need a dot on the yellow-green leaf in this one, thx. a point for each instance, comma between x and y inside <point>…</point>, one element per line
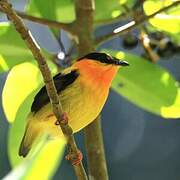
<point>168,22</point>
<point>42,164</point>
<point>110,9</point>
<point>64,10</point>
<point>3,64</point>
<point>12,48</point>
<point>147,85</point>
<point>21,81</point>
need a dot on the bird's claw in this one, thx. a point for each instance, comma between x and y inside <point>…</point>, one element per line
<point>64,119</point>
<point>57,123</point>
<point>75,160</point>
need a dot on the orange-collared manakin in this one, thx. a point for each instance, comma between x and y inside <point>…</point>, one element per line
<point>82,88</point>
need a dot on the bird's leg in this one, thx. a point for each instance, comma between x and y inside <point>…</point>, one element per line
<point>75,160</point>
<point>64,119</point>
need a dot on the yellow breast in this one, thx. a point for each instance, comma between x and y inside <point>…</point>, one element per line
<point>81,103</point>
<point>83,100</point>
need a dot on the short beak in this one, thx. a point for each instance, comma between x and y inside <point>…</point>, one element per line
<point>120,62</point>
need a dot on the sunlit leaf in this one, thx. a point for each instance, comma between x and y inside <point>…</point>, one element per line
<point>16,88</point>
<point>147,85</point>
<point>12,48</point>
<point>52,152</point>
<point>16,131</point>
<point>42,164</point>
<point>22,84</point>
<point>21,81</point>
<point>168,22</point>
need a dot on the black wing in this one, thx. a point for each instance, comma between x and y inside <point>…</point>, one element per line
<point>61,81</point>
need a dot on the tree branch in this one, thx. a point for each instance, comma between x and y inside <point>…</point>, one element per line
<point>57,108</point>
<point>145,41</point>
<point>95,150</point>
<point>54,24</point>
<point>131,25</point>
<point>84,25</point>
<point>94,144</point>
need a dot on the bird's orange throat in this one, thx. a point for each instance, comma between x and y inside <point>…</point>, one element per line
<point>95,73</point>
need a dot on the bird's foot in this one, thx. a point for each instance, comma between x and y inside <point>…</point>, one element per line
<point>64,119</point>
<point>75,160</point>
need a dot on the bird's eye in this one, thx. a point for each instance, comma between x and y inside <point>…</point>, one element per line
<point>108,60</point>
<point>108,57</point>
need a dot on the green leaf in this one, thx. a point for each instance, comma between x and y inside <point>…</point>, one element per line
<point>168,22</point>
<point>110,9</point>
<point>16,88</point>
<point>42,164</point>
<point>17,128</point>
<point>53,149</point>
<point>22,83</point>
<point>12,48</point>
<point>147,85</point>
<point>3,65</point>
<point>64,10</point>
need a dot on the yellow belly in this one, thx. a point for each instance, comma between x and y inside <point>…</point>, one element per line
<point>82,104</point>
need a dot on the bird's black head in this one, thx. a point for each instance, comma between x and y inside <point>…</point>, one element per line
<point>103,58</point>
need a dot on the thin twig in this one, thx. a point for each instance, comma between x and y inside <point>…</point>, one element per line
<point>131,25</point>
<point>57,108</point>
<point>146,45</point>
<point>54,24</point>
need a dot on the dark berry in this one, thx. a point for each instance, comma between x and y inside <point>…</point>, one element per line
<point>129,41</point>
<point>166,51</point>
<point>157,35</point>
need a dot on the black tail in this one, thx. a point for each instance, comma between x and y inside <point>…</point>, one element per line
<point>24,147</point>
<point>30,135</point>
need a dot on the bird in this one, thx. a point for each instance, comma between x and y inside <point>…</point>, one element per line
<point>82,88</point>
